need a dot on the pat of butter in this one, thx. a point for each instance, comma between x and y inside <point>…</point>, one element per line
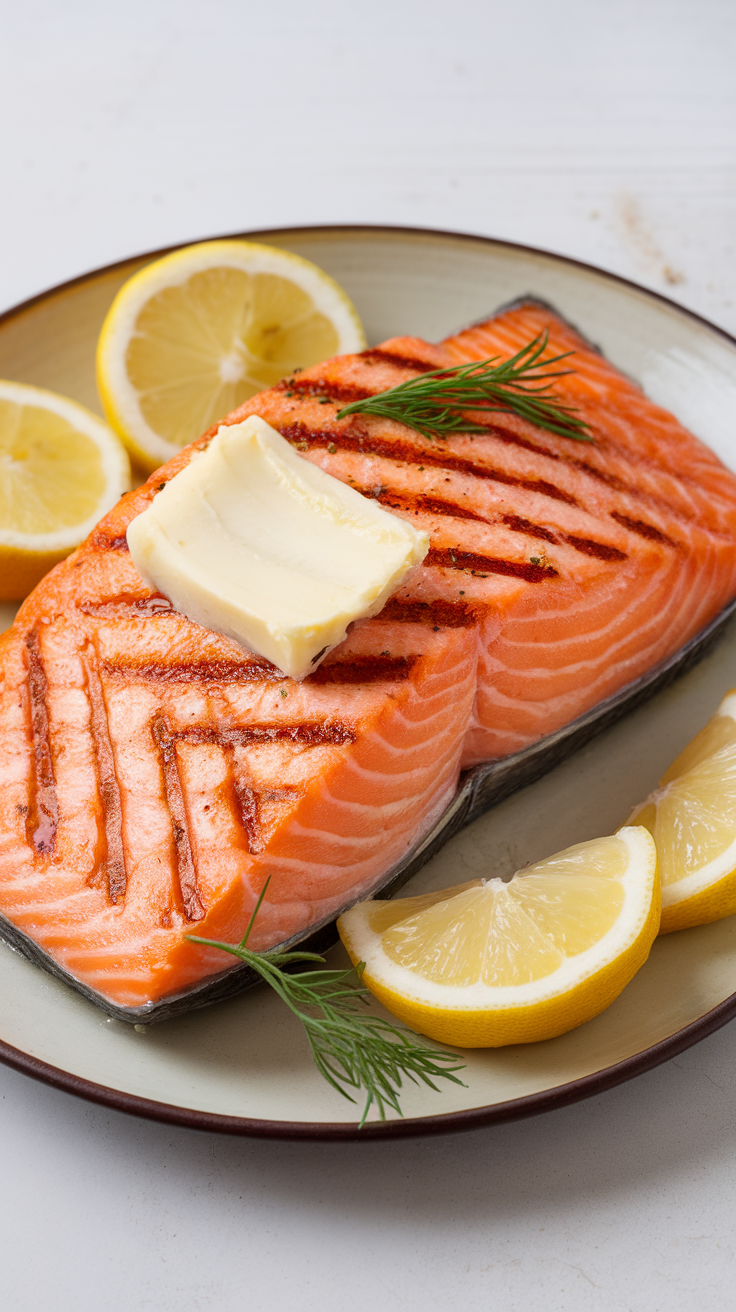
<point>264,547</point>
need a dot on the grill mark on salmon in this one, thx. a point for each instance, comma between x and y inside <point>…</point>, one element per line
<point>606,477</point>
<point>437,614</point>
<point>189,894</point>
<point>521,525</point>
<point>365,669</point>
<point>128,606</point>
<point>42,819</point>
<point>589,547</point>
<point>450,558</point>
<point>611,480</point>
<point>627,488</point>
<point>249,814</point>
<point>419,501</point>
<point>323,389</point>
<point>248,802</point>
<point>206,671</point>
<point>301,436</point>
<point>304,734</point>
<point>643,530</point>
<point>374,355</point>
<point>451,510</point>
<point>112,867</point>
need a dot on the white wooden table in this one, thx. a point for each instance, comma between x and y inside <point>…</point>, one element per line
<point>607,133</point>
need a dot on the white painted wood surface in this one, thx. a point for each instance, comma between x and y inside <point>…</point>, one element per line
<point>607,132</point>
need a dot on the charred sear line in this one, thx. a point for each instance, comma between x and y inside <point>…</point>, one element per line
<point>248,803</point>
<point>603,476</point>
<point>540,485</point>
<point>305,734</point>
<point>365,443</point>
<point>113,866</point>
<point>126,605</point>
<point>374,355</point>
<point>184,857</point>
<point>642,529</point>
<point>450,558</point>
<point>323,389</point>
<point>419,502</point>
<point>512,438</point>
<point>630,489</point>
<point>437,614</point>
<point>249,813</point>
<point>588,547</point>
<point>365,669</point>
<point>520,525</point>
<point>42,818</point>
<point>214,671</point>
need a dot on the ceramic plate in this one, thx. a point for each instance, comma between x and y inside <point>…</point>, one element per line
<point>242,1066</point>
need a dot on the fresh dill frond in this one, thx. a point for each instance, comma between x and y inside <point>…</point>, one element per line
<point>436,403</point>
<point>350,1048</point>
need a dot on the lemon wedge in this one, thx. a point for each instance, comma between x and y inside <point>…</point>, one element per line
<point>692,815</point>
<point>61,469</point>
<point>193,335</point>
<point>490,963</point>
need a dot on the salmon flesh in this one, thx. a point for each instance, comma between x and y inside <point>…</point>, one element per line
<point>153,774</point>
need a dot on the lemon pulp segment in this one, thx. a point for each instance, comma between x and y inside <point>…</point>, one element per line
<point>41,455</point>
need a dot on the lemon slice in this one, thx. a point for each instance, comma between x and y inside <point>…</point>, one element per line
<point>192,336</point>
<point>490,963</point>
<point>692,815</point>
<point>61,469</point>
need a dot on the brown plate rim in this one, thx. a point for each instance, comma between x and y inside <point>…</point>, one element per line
<point>562,1095</point>
<point>474,1118</point>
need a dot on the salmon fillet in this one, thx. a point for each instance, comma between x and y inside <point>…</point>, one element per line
<point>155,774</point>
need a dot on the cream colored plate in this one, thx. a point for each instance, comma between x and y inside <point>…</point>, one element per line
<point>242,1066</point>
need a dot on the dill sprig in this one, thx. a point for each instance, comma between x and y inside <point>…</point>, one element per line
<point>352,1050</point>
<point>436,403</point>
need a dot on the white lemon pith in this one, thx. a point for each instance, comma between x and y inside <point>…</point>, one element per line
<point>492,962</point>
<point>192,336</point>
<point>692,816</point>
<point>61,470</point>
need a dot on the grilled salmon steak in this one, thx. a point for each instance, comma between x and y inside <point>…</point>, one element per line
<point>153,774</point>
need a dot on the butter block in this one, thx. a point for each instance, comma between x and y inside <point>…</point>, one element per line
<point>255,542</point>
